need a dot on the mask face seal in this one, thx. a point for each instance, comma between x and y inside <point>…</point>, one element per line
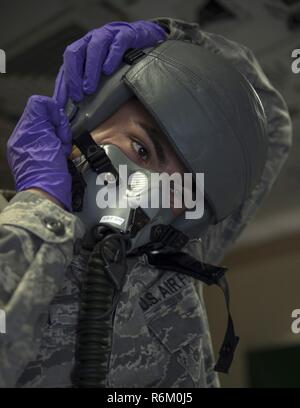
<point>121,196</point>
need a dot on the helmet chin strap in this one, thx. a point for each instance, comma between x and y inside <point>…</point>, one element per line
<point>181,262</point>
<point>163,252</point>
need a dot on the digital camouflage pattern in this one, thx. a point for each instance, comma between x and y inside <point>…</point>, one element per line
<point>161,336</point>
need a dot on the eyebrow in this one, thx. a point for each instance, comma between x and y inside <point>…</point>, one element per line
<point>155,136</point>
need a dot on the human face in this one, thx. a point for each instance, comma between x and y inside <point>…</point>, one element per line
<point>136,133</point>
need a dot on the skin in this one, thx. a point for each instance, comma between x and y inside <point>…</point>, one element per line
<point>145,145</point>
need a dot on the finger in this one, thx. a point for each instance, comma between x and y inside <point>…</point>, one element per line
<point>42,107</point>
<point>63,129</point>
<point>35,112</point>
<point>117,50</point>
<point>96,54</point>
<point>40,113</point>
<point>49,111</point>
<point>74,60</point>
<point>60,94</point>
<point>149,35</point>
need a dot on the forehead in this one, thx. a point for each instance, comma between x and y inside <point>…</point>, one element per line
<point>134,108</point>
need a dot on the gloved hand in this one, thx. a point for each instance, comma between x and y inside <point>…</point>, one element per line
<point>101,50</point>
<point>38,148</point>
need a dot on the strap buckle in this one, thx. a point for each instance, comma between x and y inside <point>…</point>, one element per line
<point>163,236</point>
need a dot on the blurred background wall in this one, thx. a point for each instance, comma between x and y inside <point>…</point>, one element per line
<point>265,263</point>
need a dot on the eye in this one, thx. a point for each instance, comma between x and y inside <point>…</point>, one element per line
<point>140,150</point>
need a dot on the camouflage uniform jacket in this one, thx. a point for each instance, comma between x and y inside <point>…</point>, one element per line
<point>161,336</point>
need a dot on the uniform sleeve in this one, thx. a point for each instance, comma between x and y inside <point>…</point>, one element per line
<point>220,237</point>
<point>37,240</point>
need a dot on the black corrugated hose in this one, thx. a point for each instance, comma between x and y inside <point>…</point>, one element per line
<point>99,297</point>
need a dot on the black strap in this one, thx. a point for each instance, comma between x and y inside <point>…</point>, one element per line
<point>183,263</point>
<point>78,187</point>
<point>166,236</point>
<point>94,154</point>
<point>98,161</point>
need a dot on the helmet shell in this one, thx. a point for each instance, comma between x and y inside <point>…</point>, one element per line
<point>208,111</point>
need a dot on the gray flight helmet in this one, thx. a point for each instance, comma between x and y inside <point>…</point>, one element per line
<point>209,112</point>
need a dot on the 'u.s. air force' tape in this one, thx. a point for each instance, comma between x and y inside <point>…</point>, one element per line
<point>166,289</point>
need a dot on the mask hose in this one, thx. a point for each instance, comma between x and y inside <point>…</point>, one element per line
<point>99,297</point>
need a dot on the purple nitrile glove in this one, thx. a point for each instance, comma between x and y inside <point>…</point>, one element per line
<point>101,50</point>
<point>38,148</point>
